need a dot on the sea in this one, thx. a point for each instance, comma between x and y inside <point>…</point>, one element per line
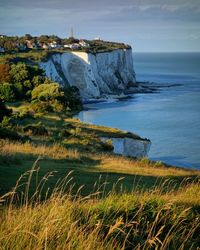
<point>170,117</point>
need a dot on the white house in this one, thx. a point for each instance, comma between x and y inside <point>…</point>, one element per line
<point>55,45</point>
<point>72,46</point>
<point>67,45</point>
<point>82,43</point>
<point>31,45</point>
<point>44,46</point>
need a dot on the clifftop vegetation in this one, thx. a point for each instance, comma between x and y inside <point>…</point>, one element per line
<point>55,43</point>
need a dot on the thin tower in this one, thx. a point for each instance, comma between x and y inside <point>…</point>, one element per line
<point>71,32</point>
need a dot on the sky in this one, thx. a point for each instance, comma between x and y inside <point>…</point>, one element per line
<point>147,25</point>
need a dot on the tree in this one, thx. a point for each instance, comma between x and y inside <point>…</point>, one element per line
<point>7,92</point>
<point>47,92</point>
<point>9,45</point>
<point>4,73</point>
<point>19,72</point>
<point>46,97</point>
<point>70,40</point>
<point>37,80</point>
<point>72,98</point>
<point>28,37</point>
<point>34,71</point>
<point>43,39</point>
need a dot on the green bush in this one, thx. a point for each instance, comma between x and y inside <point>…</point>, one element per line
<point>19,90</point>
<point>50,97</point>
<point>37,80</point>
<point>46,92</point>
<point>19,72</point>
<point>22,114</point>
<point>41,107</point>
<point>47,97</point>
<point>6,122</point>
<point>7,92</point>
<point>24,78</point>
<point>72,98</point>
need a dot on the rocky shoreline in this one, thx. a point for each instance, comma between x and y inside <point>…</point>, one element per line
<point>139,88</point>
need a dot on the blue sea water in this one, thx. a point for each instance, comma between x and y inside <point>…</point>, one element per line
<point>169,118</point>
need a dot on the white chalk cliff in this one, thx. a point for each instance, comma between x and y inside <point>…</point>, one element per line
<point>95,75</point>
<point>137,148</point>
<point>131,147</point>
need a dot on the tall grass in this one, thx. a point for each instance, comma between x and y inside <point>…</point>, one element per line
<point>140,220</point>
<point>55,151</point>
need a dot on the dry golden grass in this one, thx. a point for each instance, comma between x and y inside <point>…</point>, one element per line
<point>120,164</point>
<point>141,220</point>
<point>107,162</point>
<point>54,151</point>
<point>189,194</point>
<point>162,217</point>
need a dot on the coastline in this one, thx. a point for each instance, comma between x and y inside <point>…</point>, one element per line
<point>115,107</point>
<point>142,88</point>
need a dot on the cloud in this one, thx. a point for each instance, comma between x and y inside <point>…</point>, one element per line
<point>155,12</point>
<point>155,21</point>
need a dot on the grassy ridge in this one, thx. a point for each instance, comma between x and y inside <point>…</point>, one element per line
<point>17,158</point>
<point>74,193</point>
<point>157,218</point>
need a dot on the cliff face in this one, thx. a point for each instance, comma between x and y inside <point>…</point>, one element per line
<point>95,75</point>
<point>131,147</point>
<point>136,148</point>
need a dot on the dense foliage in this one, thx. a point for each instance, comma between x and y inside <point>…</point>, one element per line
<point>28,42</point>
<point>20,81</point>
<point>17,80</point>
<point>50,97</point>
<point>7,92</point>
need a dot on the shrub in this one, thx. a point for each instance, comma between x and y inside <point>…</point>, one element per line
<point>37,80</point>
<point>48,97</point>
<point>22,114</point>
<point>46,92</point>
<point>5,122</point>
<point>19,72</point>
<point>7,92</point>
<point>72,98</point>
<point>41,107</point>
<point>35,71</point>
<point>24,78</point>
<point>36,129</point>
<point>18,90</point>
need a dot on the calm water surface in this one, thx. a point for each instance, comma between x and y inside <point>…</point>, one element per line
<point>170,118</point>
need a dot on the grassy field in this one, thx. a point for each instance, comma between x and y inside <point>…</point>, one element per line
<point>74,193</point>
